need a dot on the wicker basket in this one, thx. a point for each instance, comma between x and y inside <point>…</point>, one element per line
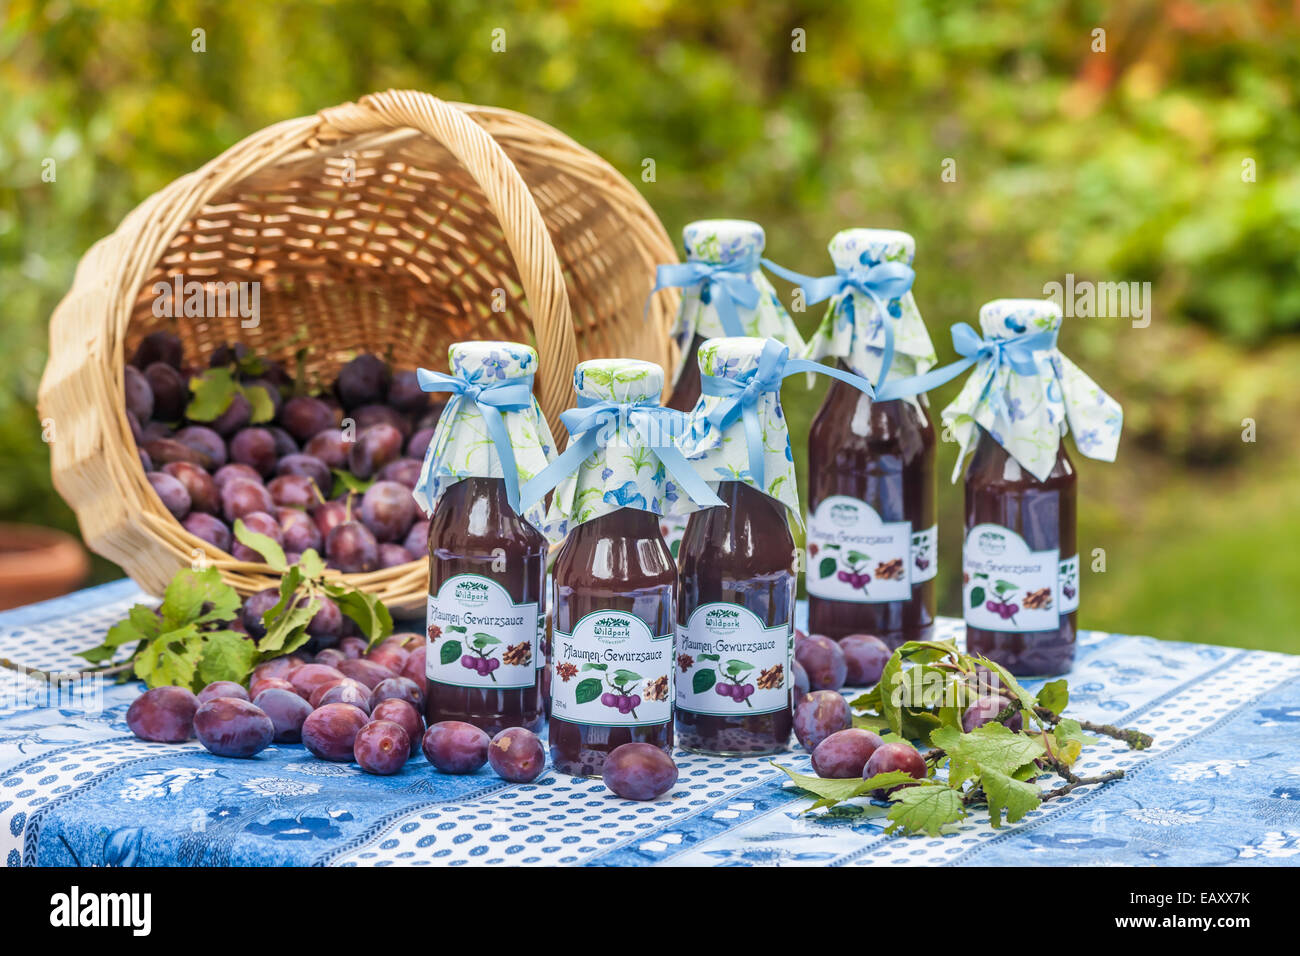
<point>381,226</point>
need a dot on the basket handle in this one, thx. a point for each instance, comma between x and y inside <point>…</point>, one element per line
<point>510,200</point>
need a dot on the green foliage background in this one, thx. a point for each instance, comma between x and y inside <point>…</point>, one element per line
<point>1119,165</point>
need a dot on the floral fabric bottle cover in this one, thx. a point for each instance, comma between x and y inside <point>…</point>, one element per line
<point>738,565</point>
<point>615,580</point>
<point>487,600</point>
<point>724,293</point>
<point>1020,562</point>
<point>872,531</point>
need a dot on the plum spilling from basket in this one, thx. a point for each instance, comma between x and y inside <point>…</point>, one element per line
<point>241,439</point>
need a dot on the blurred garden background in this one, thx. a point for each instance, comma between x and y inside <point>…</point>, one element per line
<point>1171,157</point>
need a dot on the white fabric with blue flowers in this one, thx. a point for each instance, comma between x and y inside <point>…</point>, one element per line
<point>853,328</point>
<point>722,242</point>
<point>625,472</point>
<point>1029,414</point>
<point>1220,786</point>
<point>724,455</point>
<point>461,447</point>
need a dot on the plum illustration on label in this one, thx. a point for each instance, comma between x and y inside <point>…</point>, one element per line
<point>729,663</point>
<point>1008,587</point>
<point>925,545</point>
<point>855,556</point>
<point>611,670</point>
<point>478,636</point>
<point>1069,577</point>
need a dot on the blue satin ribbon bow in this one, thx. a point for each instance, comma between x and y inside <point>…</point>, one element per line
<point>656,425</point>
<point>728,286</point>
<point>882,283</point>
<point>492,398</point>
<point>740,395</point>
<point>1017,353</point>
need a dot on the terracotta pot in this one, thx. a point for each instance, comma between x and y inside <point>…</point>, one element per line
<point>38,563</point>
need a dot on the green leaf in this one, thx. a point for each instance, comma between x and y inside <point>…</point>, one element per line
<point>856,557</point>
<point>826,567</point>
<point>199,597</point>
<point>1011,687</point>
<point>216,388</point>
<point>868,700</point>
<point>587,690</point>
<point>450,652</point>
<point>623,676</point>
<point>346,481</point>
<point>227,655</point>
<point>591,666</point>
<point>482,640</point>
<point>736,668</point>
<point>286,624</point>
<point>213,390</point>
<point>370,614</point>
<point>992,747</point>
<point>311,565</point>
<point>976,597</point>
<point>870,722</point>
<point>703,680</point>
<point>710,657</point>
<point>263,409</point>
<point>1055,696</point>
<point>171,658</point>
<point>1069,740</point>
<point>830,791</point>
<point>139,626</point>
<point>925,809</point>
<point>1014,797</point>
<point>271,552</point>
<point>1002,587</point>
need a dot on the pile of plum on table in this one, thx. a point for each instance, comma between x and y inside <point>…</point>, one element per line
<point>297,478</point>
<point>344,704</point>
<point>349,704</point>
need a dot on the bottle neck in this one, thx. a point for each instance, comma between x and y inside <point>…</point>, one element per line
<point>623,523</point>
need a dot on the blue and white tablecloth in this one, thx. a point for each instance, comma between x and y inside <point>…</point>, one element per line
<point>1221,784</point>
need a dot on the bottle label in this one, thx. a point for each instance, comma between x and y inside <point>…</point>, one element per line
<point>855,556</point>
<point>925,554</point>
<point>479,637</point>
<point>1069,576</point>
<point>729,664</point>
<point>1008,587</point>
<point>611,670</point>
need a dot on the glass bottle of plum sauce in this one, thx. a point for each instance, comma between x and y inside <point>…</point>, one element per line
<point>1020,560</point>
<point>735,626</point>
<point>736,597</point>
<point>614,600</point>
<point>1026,537</point>
<point>615,579</point>
<point>487,571</point>
<point>872,530</point>
<point>487,560</point>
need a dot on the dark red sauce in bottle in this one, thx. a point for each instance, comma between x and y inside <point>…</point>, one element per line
<point>871,518</point>
<point>612,640</point>
<point>734,637</point>
<point>1020,562</point>
<point>487,571</point>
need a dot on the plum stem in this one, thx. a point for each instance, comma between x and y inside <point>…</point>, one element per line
<point>1073,782</point>
<point>1135,739</point>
